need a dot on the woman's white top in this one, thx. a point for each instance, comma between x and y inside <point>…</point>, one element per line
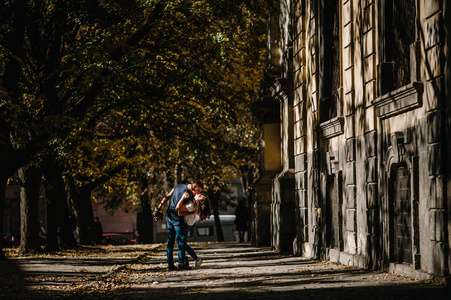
<point>191,219</point>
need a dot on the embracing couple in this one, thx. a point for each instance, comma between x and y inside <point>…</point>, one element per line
<point>186,201</point>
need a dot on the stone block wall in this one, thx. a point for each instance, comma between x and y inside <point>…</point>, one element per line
<point>376,135</point>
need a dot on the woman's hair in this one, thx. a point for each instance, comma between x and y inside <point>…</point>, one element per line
<point>204,208</point>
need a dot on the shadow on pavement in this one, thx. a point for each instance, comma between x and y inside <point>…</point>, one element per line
<point>12,279</point>
<point>236,271</point>
<point>229,271</point>
<point>368,292</point>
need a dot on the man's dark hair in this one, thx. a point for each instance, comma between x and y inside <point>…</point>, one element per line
<point>198,183</point>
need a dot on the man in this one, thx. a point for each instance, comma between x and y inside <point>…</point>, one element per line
<point>177,228</point>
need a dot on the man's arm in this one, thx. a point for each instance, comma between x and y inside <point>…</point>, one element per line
<point>181,208</point>
<point>165,199</point>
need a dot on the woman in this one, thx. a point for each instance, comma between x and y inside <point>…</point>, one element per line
<point>189,208</point>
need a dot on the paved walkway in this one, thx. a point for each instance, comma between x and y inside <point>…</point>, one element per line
<point>229,271</point>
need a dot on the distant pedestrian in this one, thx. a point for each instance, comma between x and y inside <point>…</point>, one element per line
<point>177,228</point>
<point>241,219</point>
<point>99,231</point>
<point>42,234</point>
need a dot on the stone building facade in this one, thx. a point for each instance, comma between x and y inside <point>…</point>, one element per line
<point>356,131</point>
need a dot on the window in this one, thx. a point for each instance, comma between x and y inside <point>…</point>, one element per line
<point>399,89</point>
<point>399,36</point>
<point>331,121</point>
<point>331,60</point>
<point>205,231</point>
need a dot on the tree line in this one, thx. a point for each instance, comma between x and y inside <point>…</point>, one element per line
<point>124,99</point>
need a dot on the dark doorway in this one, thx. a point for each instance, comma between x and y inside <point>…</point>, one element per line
<point>401,216</point>
<point>333,213</point>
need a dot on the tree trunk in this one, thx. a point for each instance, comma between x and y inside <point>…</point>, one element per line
<point>218,225</point>
<point>10,162</point>
<point>52,217</point>
<point>3,182</point>
<point>30,178</point>
<point>57,210</point>
<point>81,199</point>
<point>144,222</point>
<point>66,234</point>
<point>84,216</point>
<point>214,199</point>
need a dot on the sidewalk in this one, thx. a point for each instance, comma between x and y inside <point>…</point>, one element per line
<point>229,271</point>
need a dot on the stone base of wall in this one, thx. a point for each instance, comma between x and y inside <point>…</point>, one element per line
<point>361,261</point>
<point>308,250</point>
<point>409,271</point>
<point>347,259</point>
<point>297,247</point>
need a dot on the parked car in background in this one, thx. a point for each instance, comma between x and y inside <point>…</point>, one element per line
<point>205,231</point>
<point>116,239</point>
<point>10,240</point>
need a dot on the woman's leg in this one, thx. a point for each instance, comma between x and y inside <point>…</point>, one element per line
<point>191,252</point>
<point>188,249</point>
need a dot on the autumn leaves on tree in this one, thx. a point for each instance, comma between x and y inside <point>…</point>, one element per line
<point>94,95</point>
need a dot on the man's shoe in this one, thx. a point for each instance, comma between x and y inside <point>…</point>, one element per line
<point>183,267</point>
<point>171,268</point>
<point>198,263</point>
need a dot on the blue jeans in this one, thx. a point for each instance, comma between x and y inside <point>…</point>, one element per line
<point>177,231</point>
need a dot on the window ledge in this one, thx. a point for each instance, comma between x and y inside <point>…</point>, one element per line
<point>332,127</point>
<point>399,101</point>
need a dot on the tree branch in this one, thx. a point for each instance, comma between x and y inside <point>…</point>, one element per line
<point>96,87</point>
